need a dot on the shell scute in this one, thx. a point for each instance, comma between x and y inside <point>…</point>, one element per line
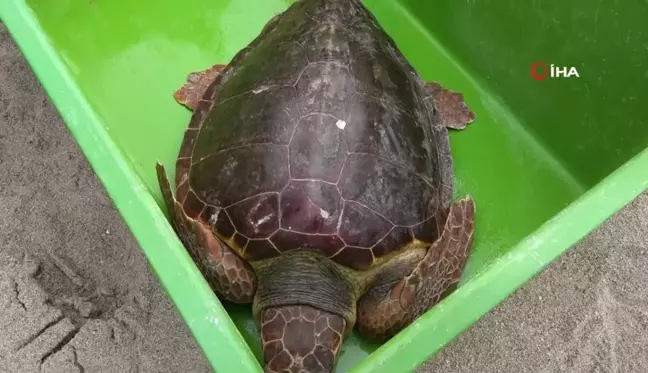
<point>324,87</point>
<point>378,129</point>
<point>398,194</point>
<point>317,149</point>
<point>274,62</point>
<point>256,217</point>
<point>428,230</point>
<point>224,224</point>
<point>240,239</point>
<point>355,220</point>
<point>285,240</point>
<point>328,42</point>
<point>230,176</point>
<point>311,207</point>
<point>192,205</point>
<point>394,239</point>
<point>268,123</point>
<point>260,249</point>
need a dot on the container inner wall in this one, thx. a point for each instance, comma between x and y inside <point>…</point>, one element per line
<point>591,124</point>
<point>129,57</point>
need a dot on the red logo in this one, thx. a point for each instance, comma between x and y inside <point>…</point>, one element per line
<point>539,70</point>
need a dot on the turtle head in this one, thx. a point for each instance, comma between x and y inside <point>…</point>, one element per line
<point>304,304</point>
<point>300,338</point>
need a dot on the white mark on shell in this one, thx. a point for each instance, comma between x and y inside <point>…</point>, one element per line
<point>263,219</point>
<point>324,213</point>
<point>340,124</point>
<point>213,218</point>
<point>260,89</point>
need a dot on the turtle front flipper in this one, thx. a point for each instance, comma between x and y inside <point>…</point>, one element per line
<point>383,311</point>
<point>225,272</point>
<point>196,85</point>
<point>449,106</point>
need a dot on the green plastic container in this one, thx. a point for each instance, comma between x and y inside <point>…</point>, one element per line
<point>546,161</point>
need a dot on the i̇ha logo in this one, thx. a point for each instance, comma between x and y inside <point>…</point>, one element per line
<point>541,70</point>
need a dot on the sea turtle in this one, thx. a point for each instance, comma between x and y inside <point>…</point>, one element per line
<point>315,181</point>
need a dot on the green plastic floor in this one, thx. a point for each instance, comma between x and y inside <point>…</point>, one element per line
<point>129,57</point>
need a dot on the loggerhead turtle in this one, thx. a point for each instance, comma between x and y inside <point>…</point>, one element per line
<point>315,181</point>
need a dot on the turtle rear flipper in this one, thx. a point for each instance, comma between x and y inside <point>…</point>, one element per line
<point>225,272</point>
<point>385,311</point>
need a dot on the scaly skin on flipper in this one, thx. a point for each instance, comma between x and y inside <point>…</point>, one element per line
<point>449,106</point>
<point>300,339</point>
<point>381,316</point>
<point>449,110</point>
<point>225,272</point>
<point>196,85</point>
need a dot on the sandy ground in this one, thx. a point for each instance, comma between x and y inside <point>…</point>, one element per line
<point>586,313</point>
<point>76,294</point>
